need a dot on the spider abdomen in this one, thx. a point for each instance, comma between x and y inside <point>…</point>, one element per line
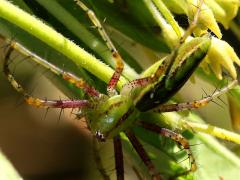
<point>186,60</point>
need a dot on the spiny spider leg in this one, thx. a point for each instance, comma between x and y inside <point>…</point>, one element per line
<point>115,54</point>
<point>118,154</point>
<point>175,137</point>
<point>143,155</point>
<point>78,82</point>
<point>194,104</point>
<point>130,86</point>
<point>165,67</point>
<point>36,101</point>
<point>193,24</point>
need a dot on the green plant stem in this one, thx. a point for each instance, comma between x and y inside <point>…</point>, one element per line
<point>214,131</point>
<point>168,32</point>
<point>168,16</point>
<point>81,32</point>
<point>54,39</point>
<point>195,123</point>
<point>203,132</point>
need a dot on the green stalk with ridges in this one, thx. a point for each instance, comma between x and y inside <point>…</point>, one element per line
<point>37,28</point>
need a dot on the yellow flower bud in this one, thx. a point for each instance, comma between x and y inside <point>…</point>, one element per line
<point>206,19</point>
<point>230,7</point>
<point>218,11</point>
<point>221,54</point>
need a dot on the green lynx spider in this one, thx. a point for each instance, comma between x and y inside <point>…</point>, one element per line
<point>117,112</point>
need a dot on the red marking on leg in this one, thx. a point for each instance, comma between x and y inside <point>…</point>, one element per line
<point>116,56</point>
<point>135,84</point>
<point>118,71</point>
<point>143,155</point>
<point>80,83</point>
<point>57,103</point>
<point>174,136</point>
<point>194,104</point>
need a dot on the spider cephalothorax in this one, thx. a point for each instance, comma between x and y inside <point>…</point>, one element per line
<point>114,115</point>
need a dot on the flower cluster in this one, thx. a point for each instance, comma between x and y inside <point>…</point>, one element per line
<point>221,54</point>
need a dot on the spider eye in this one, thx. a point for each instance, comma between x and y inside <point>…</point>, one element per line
<point>100,136</point>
